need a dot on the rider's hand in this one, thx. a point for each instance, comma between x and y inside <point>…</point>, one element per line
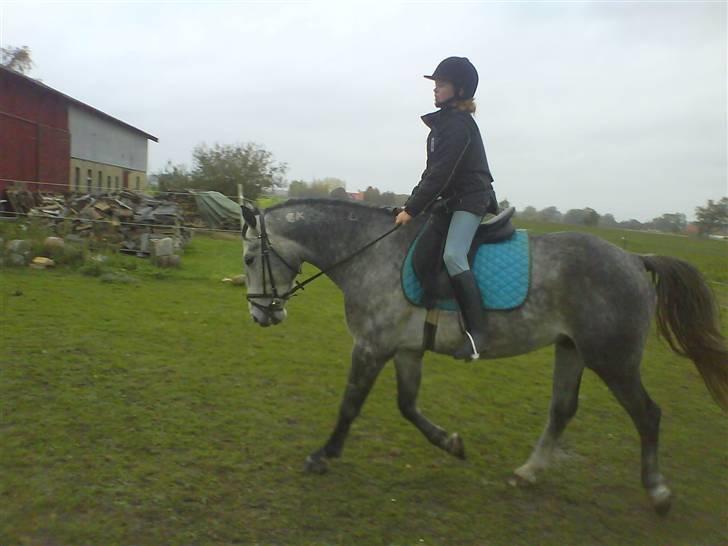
<point>402,218</point>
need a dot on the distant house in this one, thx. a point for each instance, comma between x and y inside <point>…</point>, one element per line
<point>692,229</point>
<point>55,143</point>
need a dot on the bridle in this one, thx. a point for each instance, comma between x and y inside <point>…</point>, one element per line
<point>277,300</point>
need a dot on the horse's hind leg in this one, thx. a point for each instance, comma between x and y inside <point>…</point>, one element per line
<point>408,365</point>
<point>568,368</point>
<point>365,367</point>
<point>626,385</point>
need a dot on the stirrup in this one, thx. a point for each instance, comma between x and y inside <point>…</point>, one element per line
<point>475,355</point>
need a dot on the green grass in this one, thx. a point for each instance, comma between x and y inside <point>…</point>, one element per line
<point>156,412</point>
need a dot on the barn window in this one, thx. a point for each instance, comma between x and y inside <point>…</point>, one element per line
<point>116,182</point>
<point>101,180</point>
<point>89,180</point>
<point>77,179</point>
<point>108,182</point>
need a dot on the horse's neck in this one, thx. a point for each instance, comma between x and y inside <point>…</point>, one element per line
<point>328,235</point>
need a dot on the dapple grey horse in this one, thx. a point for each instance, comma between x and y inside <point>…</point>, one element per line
<point>589,298</point>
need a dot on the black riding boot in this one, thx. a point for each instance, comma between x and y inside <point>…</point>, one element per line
<point>467,294</point>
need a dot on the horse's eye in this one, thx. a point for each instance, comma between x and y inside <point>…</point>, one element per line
<point>249,260</point>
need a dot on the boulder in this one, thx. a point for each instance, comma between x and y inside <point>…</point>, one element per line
<point>52,244</point>
<point>41,262</point>
<point>17,260</point>
<point>237,280</point>
<point>18,246</point>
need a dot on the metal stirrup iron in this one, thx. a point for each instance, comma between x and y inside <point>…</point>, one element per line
<point>476,354</point>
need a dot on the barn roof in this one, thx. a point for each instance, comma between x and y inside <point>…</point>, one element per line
<point>77,102</point>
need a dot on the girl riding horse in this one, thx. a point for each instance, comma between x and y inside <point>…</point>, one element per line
<point>457,174</point>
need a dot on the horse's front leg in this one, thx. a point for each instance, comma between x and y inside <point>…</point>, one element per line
<point>365,367</point>
<point>409,373</point>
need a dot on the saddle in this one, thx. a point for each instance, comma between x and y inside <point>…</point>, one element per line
<point>499,257</point>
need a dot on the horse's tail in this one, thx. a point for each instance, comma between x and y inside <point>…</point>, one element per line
<point>689,319</point>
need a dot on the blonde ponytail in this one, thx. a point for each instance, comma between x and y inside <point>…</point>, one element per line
<point>467,105</point>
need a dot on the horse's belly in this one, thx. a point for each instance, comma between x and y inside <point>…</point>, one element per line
<point>509,333</point>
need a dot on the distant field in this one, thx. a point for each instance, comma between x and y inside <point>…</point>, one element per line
<point>156,412</point>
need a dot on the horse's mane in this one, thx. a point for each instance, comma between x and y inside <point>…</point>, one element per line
<point>330,203</point>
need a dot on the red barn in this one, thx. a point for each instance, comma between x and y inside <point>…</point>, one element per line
<point>48,139</point>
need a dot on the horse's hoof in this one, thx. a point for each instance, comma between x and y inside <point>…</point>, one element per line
<point>315,465</point>
<point>455,446</point>
<point>661,499</point>
<point>522,477</point>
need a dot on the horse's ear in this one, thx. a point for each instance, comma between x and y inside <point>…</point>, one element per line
<point>249,216</point>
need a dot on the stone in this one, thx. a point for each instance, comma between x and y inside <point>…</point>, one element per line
<point>162,247</point>
<point>17,260</point>
<point>161,250</point>
<point>237,280</point>
<point>144,243</point>
<point>53,243</point>
<point>41,262</point>
<point>18,246</point>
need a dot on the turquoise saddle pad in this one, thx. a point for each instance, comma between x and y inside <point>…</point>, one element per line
<point>503,271</point>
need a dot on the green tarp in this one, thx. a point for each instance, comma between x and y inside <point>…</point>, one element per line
<point>217,210</point>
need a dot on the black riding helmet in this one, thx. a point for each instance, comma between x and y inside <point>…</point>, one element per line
<point>460,72</point>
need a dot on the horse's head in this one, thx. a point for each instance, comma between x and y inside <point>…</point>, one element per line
<point>271,265</point>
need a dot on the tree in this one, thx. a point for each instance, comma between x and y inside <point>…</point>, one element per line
<point>388,199</point>
<point>631,224</point>
<point>16,58</point>
<point>574,217</point>
<point>503,205</point>
<point>372,195</point>
<point>591,217</point>
<point>222,167</point>
<point>607,220</point>
<point>173,177</point>
<point>320,187</point>
<point>297,188</point>
<point>550,214</point>
<point>339,194</point>
<point>670,223</point>
<point>713,217</point>
<point>582,217</point>
<point>529,213</point>
<point>330,183</point>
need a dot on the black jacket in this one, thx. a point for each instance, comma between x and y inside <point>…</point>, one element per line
<point>457,169</point>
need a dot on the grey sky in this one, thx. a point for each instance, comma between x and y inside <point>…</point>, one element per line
<point>617,106</point>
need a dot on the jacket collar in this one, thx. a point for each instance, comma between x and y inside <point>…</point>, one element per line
<point>434,118</point>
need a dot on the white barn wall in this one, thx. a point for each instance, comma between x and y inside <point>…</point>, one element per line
<point>96,139</point>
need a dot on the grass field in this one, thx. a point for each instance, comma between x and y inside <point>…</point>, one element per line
<point>156,412</point>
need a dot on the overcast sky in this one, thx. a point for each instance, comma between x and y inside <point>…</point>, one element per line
<point>620,106</point>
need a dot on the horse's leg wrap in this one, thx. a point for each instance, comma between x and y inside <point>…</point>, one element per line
<point>408,365</point>
<point>365,368</point>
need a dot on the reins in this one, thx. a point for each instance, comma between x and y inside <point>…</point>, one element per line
<point>266,248</point>
<point>300,285</point>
